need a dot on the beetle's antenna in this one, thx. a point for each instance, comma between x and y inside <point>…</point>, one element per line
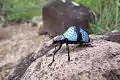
<point>55,53</point>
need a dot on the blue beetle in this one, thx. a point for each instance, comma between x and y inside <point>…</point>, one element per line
<point>74,35</point>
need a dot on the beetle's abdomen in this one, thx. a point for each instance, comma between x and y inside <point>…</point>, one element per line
<point>85,36</point>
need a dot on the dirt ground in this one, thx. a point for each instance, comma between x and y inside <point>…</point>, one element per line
<point>16,41</point>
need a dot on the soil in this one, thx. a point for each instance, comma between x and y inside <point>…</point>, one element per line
<point>16,42</point>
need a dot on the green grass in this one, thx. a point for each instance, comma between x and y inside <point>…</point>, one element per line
<point>22,9</point>
<point>107,13</point>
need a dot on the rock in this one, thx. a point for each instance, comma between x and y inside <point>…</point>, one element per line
<point>100,62</point>
<point>58,15</point>
<point>113,36</point>
<point>5,69</point>
<point>36,21</point>
<point>17,73</point>
<point>95,37</point>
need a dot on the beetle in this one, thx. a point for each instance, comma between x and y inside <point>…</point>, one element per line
<point>74,35</point>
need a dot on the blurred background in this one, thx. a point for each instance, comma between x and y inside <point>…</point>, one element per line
<point>18,40</point>
<point>107,12</point>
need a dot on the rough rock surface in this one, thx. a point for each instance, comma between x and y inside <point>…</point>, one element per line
<point>58,15</point>
<point>100,62</point>
<point>17,41</point>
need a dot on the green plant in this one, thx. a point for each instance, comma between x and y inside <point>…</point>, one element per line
<point>117,10</point>
<point>21,9</point>
<point>4,6</point>
<point>107,13</point>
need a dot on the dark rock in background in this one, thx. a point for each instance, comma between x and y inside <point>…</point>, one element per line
<point>58,15</point>
<point>113,36</point>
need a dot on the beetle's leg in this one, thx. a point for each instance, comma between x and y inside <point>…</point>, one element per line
<point>56,50</point>
<point>55,47</point>
<point>68,51</point>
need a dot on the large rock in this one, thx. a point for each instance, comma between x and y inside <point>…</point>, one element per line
<point>100,62</point>
<point>58,15</point>
<point>113,36</point>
